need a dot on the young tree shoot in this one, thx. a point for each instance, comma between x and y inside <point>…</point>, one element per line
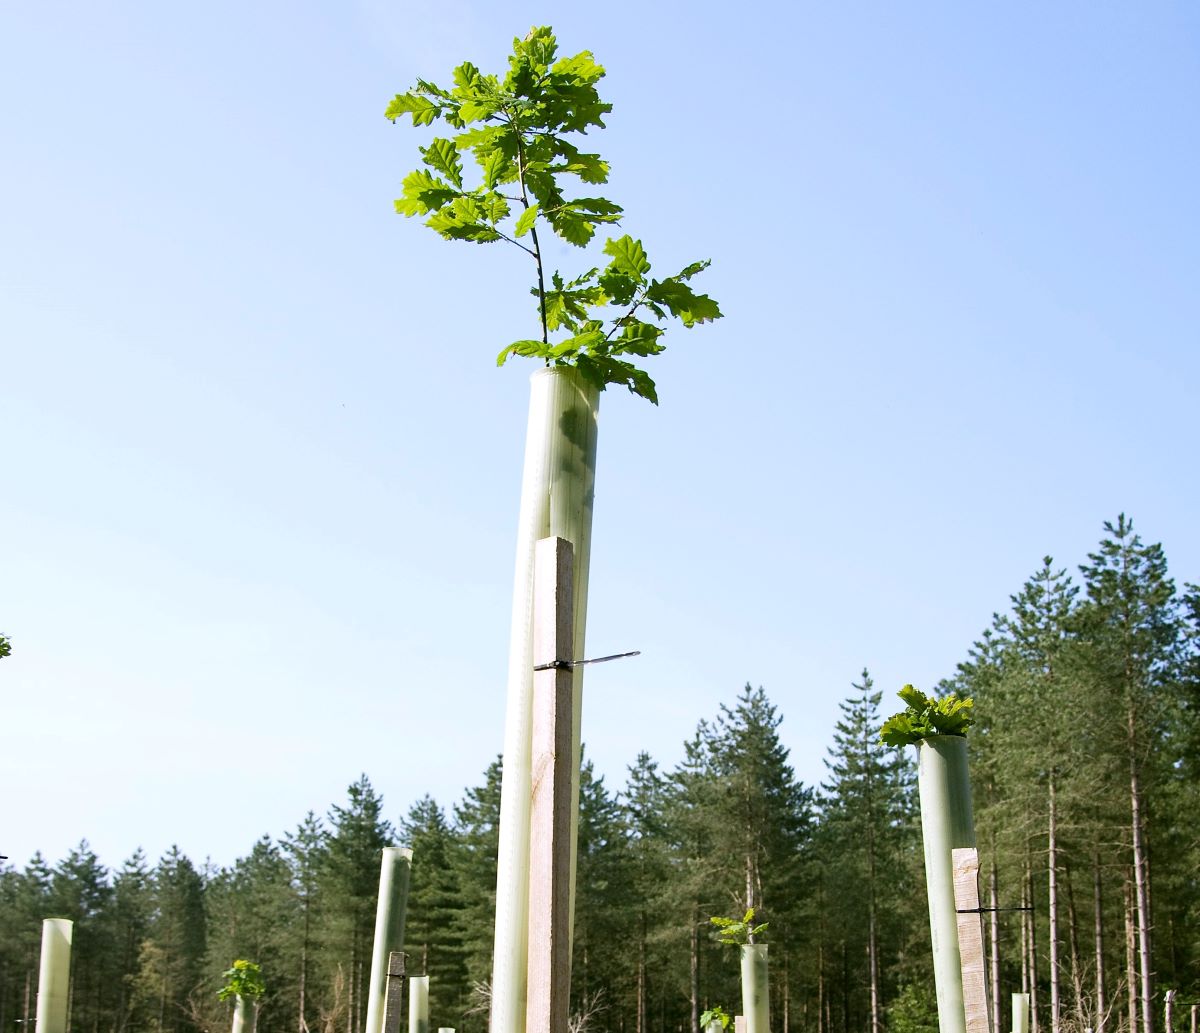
<point>522,132</point>
<point>244,979</point>
<point>736,932</point>
<point>925,716</point>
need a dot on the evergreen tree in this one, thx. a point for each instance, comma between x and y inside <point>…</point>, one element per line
<point>168,992</point>
<point>350,888</point>
<point>473,857</point>
<point>305,851</point>
<point>26,900</point>
<point>864,832</point>
<point>1132,629</point>
<point>643,806</point>
<point>253,915</point>
<point>600,969</point>
<point>433,931</point>
<point>80,891</point>
<point>131,915</point>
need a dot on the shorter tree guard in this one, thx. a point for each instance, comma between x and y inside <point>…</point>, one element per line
<point>418,1004</point>
<point>1020,1013</point>
<point>54,976</point>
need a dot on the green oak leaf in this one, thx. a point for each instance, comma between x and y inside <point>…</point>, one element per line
<point>442,156</point>
<point>628,255</point>
<point>424,192</point>
<point>525,221</point>
<point>422,109</point>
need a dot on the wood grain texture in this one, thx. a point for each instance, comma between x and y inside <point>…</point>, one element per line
<point>970,939</point>
<point>551,784</point>
<point>393,1001</point>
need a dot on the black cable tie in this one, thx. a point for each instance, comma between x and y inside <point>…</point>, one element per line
<point>566,665</point>
<point>985,910</point>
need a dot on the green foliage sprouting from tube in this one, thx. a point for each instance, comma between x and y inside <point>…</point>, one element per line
<point>244,979</point>
<point>518,131</point>
<point>925,716</point>
<point>736,932</point>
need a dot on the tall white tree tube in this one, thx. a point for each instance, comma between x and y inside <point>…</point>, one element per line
<point>394,872</point>
<point>54,975</point>
<point>947,822</point>
<point>557,492</point>
<point>755,995</point>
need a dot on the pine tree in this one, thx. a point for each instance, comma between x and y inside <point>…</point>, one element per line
<point>253,914</point>
<point>1132,628</point>
<point>643,806</point>
<point>132,912</point>
<point>26,900</point>
<point>433,928</point>
<point>350,887</point>
<point>170,981</point>
<point>476,844</point>
<point>80,891</point>
<point>865,807</point>
<point>603,930</point>
<point>305,851</point>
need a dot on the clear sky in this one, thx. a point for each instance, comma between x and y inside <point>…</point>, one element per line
<point>260,474</point>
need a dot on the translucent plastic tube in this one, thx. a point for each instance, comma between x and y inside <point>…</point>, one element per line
<point>418,1004</point>
<point>245,1015</point>
<point>394,873</point>
<point>557,492</point>
<point>54,975</point>
<point>755,996</point>
<point>1020,1013</point>
<point>947,823</point>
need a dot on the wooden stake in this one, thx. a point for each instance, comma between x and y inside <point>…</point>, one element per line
<point>552,778</point>
<point>394,992</point>
<point>970,938</point>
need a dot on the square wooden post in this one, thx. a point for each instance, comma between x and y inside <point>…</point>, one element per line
<point>970,938</point>
<point>393,1001</point>
<point>548,1000</point>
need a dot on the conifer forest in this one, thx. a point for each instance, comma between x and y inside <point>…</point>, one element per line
<point>1085,765</point>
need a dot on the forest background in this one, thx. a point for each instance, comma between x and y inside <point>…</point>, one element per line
<point>1086,772</point>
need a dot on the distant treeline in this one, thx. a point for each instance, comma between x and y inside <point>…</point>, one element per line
<point>1087,791</point>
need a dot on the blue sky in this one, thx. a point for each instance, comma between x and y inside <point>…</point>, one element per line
<point>261,476</point>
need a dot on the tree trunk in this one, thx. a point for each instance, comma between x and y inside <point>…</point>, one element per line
<point>787,997</point>
<point>641,978</point>
<point>845,991</point>
<point>1098,906</point>
<point>1073,946</point>
<point>25,1002</point>
<point>1131,956</point>
<point>1033,982</point>
<point>1024,915</point>
<point>872,934</point>
<point>994,928</point>
<point>822,1011</point>
<point>1052,911</point>
<point>1141,879</point>
<point>694,970</point>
